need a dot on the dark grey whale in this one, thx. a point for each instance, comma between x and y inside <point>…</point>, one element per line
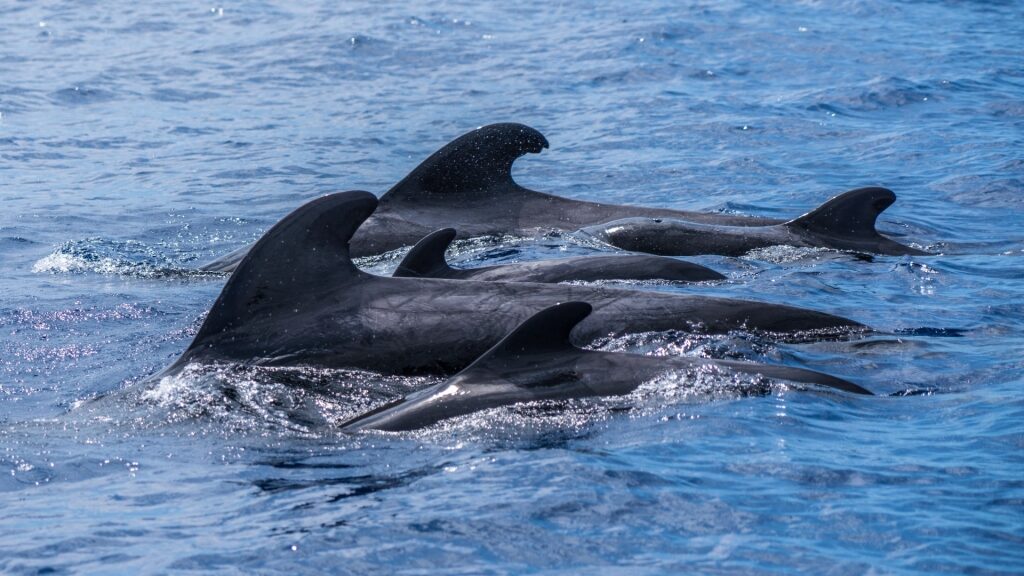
<point>297,298</point>
<point>426,260</point>
<point>468,185</point>
<point>845,222</point>
<point>537,361</point>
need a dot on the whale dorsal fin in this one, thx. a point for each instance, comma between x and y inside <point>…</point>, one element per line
<point>851,214</point>
<point>544,333</point>
<point>472,163</point>
<point>307,247</point>
<point>426,259</point>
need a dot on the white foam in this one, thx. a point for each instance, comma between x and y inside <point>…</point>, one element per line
<point>783,254</point>
<point>169,389</point>
<point>61,263</point>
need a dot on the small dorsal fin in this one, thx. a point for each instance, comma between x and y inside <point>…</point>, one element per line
<point>545,332</point>
<point>851,214</point>
<point>474,162</point>
<point>426,259</point>
<point>310,243</point>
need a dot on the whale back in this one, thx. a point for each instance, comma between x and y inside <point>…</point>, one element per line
<point>471,165</point>
<point>848,222</point>
<point>306,248</point>
<point>532,362</point>
<point>426,259</point>
<point>851,214</point>
<point>538,338</point>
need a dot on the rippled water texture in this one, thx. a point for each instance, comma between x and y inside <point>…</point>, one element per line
<point>138,140</point>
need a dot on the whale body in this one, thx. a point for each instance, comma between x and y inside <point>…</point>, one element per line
<point>537,361</point>
<point>297,298</point>
<point>468,185</point>
<point>845,222</point>
<point>427,260</point>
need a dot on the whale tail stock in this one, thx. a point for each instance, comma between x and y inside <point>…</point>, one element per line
<point>849,218</point>
<point>426,259</point>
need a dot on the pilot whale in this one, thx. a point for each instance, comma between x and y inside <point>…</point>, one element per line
<point>538,361</point>
<point>845,222</point>
<point>426,260</point>
<point>468,185</point>
<point>298,299</point>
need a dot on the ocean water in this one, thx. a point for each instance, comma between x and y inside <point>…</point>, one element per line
<point>138,140</point>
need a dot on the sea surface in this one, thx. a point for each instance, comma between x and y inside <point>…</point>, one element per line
<point>139,140</point>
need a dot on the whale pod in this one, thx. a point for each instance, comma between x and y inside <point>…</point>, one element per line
<point>297,298</point>
<point>538,361</point>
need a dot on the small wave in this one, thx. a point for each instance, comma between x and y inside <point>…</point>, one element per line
<point>786,254</point>
<point>878,94</point>
<point>17,240</point>
<point>1007,109</point>
<point>568,418</point>
<point>300,400</point>
<point>180,95</point>
<point>933,332</point>
<point>915,392</point>
<point>461,252</point>
<point>699,384</point>
<point>989,191</point>
<point>669,343</point>
<point>124,258</point>
<point>81,95</point>
<point>311,401</point>
<point>190,131</point>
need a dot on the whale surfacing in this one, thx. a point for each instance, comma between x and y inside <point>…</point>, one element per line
<point>427,260</point>
<point>297,298</point>
<point>537,361</point>
<point>468,185</point>
<point>845,222</point>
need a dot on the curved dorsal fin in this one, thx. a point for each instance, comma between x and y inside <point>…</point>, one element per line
<point>307,247</point>
<point>473,162</point>
<point>851,214</point>
<point>426,259</point>
<point>546,332</point>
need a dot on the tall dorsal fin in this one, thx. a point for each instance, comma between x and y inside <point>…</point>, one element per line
<point>473,162</point>
<point>851,214</point>
<point>307,247</point>
<point>426,259</point>
<point>546,332</point>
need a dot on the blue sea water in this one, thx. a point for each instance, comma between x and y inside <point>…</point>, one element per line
<point>138,140</point>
